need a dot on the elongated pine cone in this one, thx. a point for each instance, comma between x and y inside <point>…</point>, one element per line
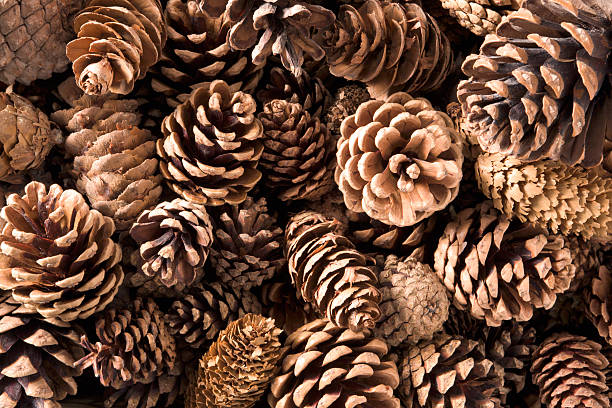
<point>61,261</point>
<point>210,148</point>
<point>330,366</point>
<point>389,46</point>
<point>248,247</point>
<point>499,269</point>
<point>239,366</point>
<point>175,238</point>
<point>569,370</point>
<point>541,86</point>
<point>329,272</point>
<point>598,296</point>
<point>414,302</point>
<point>114,159</point>
<point>399,160</point>
<point>279,301</point>
<point>480,16</point>
<point>117,42</point>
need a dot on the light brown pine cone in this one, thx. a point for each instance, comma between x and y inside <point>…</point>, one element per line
<point>480,16</point>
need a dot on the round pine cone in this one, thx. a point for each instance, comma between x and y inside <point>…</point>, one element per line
<point>414,302</point>
<point>399,160</point>
<point>330,366</point>
<point>279,301</point>
<point>210,146</point>
<point>480,16</point>
<point>598,297</point>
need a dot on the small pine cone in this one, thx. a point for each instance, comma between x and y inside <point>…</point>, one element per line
<point>61,261</point>
<point>587,257</point>
<point>175,238</point>
<point>345,103</point>
<point>248,246</point>
<point>280,302</point>
<point>239,366</point>
<point>570,200</point>
<point>540,87</point>
<point>210,148</point>
<point>481,16</point>
<point>414,302</point>
<point>329,272</point>
<point>114,159</point>
<point>448,24</point>
<point>569,370</point>
<point>328,366</point>
<point>449,371</point>
<point>298,157</point>
<point>498,269</point>
<point>26,134</point>
<point>117,42</point>
<point>409,169</point>
<point>598,297</point>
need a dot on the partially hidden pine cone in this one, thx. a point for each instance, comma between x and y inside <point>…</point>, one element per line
<point>598,298</point>
<point>480,16</point>
<point>279,301</point>
<point>344,104</point>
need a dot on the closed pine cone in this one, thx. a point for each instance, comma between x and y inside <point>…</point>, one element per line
<point>61,261</point>
<point>211,147</point>
<point>480,16</point>
<point>598,296</point>
<point>280,302</point>
<point>399,160</point>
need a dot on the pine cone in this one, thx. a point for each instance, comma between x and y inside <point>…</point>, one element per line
<point>61,260</point>
<point>389,46</point>
<point>280,302</point>
<point>449,371</point>
<point>569,200</point>
<point>26,134</point>
<point>117,42</point>
<point>498,269</point>
<point>414,302</point>
<point>330,273</point>
<point>239,366</point>
<point>345,103</point>
<point>587,257</point>
<point>448,24</point>
<point>298,157</point>
<point>541,87</point>
<point>114,159</point>
<point>331,366</point>
<point>399,160</point>
<point>481,16</point>
<point>569,371</point>
<point>248,245</point>
<point>598,296</point>
<point>210,149</point>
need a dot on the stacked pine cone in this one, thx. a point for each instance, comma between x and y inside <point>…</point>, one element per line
<point>259,203</point>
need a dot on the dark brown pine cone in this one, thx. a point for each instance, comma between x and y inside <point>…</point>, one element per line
<point>344,104</point>
<point>598,298</point>
<point>279,301</point>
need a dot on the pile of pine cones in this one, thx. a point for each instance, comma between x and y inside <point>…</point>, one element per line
<point>306,204</point>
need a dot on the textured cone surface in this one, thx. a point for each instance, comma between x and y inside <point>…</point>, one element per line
<point>175,239</point>
<point>389,46</point>
<point>345,103</point>
<point>330,366</point>
<point>114,159</point>
<point>61,260</point>
<point>280,302</point>
<point>298,157</point>
<point>448,24</point>
<point>587,256</point>
<point>541,86</point>
<point>26,135</point>
<point>569,370</point>
<point>598,296</point>
<point>211,146</point>
<point>498,269</point>
<point>569,200</point>
<point>414,302</point>
<point>117,42</point>
<point>399,160</point>
<point>482,16</point>
<point>248,246</point>
<point>239,366</point>
<point>329,272</point>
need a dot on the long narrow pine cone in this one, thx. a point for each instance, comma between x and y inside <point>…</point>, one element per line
<point>481,16</point>
<point>117,42</point>
<point>598,298</point>
<point>61,262</point>
<point>210,146</point>
<point>399,160</point>
<point>540,87</point>
<point>329,272</point>
<point>566,199</point>
<point>499,269</point>
<point>328,366</point>
<point>569,371</point>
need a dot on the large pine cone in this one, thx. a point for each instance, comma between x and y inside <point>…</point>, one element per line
<point>114,159</point>
<point>498,269</point>
<point>279,301</point>
<point>570,372</point>
<point>399,160</point>
<point>330,366</point>
<point>598,297</point>
<point>480,16</point>
<point>210,148</point>
<point>329,272</point>
<point>61,261</point>
<point>565,199</point>
<point>389,46</point>
<point>117,42</point>
<point>541,87</point>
